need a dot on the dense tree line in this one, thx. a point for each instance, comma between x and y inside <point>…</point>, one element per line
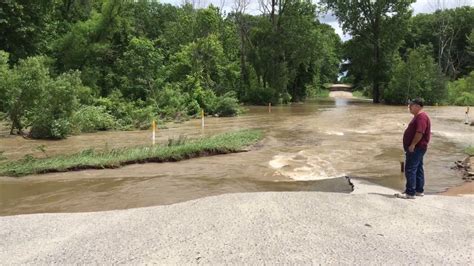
<point>71,66</point>
<point>84,65</point>
<point>394,56</point>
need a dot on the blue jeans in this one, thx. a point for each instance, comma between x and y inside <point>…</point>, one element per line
<point>414,172</point>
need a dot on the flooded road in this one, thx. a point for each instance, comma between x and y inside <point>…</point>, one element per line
<point>307,147</point>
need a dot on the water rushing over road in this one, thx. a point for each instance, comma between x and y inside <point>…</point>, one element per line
<point>307,147</point>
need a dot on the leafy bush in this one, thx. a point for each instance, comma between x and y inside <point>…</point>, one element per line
<point>139,67</point>
<point>4,76</point>
<point>259,95</point>
<point>227,105</point>
<point>26,84</point>
<point>170,101</point>
<point>92,119</point>
<point>127,114</point>
<point>461,91</point>
<point>32,98</point>
<point>55,106</point>
<point>142,116</point>
<point>469,150</point>
<point>419,76</point>
<point>206,99</point>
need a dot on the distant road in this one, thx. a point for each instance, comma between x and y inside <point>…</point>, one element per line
<point>340,94</point>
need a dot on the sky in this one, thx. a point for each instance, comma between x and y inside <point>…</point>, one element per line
<point>420,6</point>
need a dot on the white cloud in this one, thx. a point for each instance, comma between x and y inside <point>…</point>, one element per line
<point>430,6</point>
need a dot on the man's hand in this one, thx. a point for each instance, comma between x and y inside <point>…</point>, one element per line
<point>411,148</point>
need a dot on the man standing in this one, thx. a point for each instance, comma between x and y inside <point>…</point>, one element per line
<point>415,143</point>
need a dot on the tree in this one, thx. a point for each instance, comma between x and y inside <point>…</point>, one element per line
<point>419,76</point>
<point>380,25</point>
<point>206,61</point>
<point>179,32</point>
<point>93,46</point>
<point>241,24</point>
<point>25,27</point>
<point>461,91</point>
<point>139,68</point>
<point>314,63</point>
<point>4,78</point>
<point>150,18</point>
<point>470,50</point>
<point>51,114</point>
<point>27,81</point>
<point>448,32</point>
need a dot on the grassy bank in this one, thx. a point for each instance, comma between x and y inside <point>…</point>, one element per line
<point>359,94</point>
<point>90,159</point>
<point>469,150</point>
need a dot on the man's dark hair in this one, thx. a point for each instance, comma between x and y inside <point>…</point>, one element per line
<point>418,101</point>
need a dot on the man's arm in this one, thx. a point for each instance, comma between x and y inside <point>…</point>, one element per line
<point>415,140</point>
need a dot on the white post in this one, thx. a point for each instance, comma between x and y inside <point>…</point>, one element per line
<point>153,135</point>
<point>202,118</point>
<point>466,118</point>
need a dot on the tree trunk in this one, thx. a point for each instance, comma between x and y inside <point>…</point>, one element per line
<point>243,67</point>
<point>376,69</point>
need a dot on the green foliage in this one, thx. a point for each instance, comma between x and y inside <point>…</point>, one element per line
<point>289,53</point>
<point>127,114</point>
<point>461,91</point>
<point>359,94</point>
<point>2,156</point>
<point>55,106</point>
<point>4,78</point>
<point>150,18</point>
<point>419,76</point>
<point>91,159</point>
<point>82,66</point>
<point>92,119</point>
<point>207,21</point>
<point>42,148</point>
<point>26,83</point>
<point>448,32</point>
<point>25,27</point>
<point>206,62</point>
<point>140,67</point>
<point>469,150</point>
<point>34,99</point>
<point>171,102</point>
<point>378,29</point>
<point>470,49</point>
<point>318,93</point>
<point>181,140</point>
<point>94,45</point>
<point>227,105</point>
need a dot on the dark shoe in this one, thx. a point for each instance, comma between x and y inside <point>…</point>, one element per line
<point>404,196</point>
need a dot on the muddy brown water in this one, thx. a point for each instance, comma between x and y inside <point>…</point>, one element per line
<point>307,147</point>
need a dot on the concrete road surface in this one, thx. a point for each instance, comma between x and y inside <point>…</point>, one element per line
<point>253,228</point>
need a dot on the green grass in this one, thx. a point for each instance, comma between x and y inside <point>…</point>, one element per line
<point>469,150</point>
<point>359,94</point>
<point>91,159</point>
<point>319,94</point>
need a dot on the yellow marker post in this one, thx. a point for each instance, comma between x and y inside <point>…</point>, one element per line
<point>269,107</point>
<point>202,118</point>
<point>153,132</point>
